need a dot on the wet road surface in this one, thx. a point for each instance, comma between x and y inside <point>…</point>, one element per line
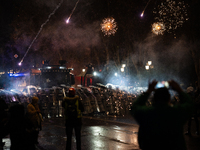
<point>98,133</point>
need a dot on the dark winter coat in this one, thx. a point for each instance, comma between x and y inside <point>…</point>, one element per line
<point>161,126</point>
<point>79,109</point>
<point>19,129</point>
<point>33,115</point>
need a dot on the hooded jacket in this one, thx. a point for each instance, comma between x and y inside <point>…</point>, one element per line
<point>32,111</point>
<point>71,101</point>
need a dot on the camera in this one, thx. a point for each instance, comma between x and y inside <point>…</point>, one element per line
<point>162,84</point>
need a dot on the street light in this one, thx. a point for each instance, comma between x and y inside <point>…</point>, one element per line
<point>149,63</point>
<point>123,65</point>
<point>95,73</point>
<point>147,67</point>
<point>122,69</point>
<point>116,74</point>
<point>83,78</point>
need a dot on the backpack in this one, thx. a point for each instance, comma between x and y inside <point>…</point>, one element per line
<point>71,110</point>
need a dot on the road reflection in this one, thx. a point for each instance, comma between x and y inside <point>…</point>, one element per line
<point>113,137</point>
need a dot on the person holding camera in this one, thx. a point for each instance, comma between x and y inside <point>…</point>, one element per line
<point>161,125</point>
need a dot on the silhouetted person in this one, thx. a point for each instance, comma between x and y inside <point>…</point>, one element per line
<point>19,129</point>
<point>161,125</point>
<point>3,118</point>
<point>194,94</point>
<point>34,117</point>
<point>73,118</point>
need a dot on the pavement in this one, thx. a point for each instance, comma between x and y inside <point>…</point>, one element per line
<point>51,141</point>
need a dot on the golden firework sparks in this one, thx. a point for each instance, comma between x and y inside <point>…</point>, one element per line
<point>158,28</point>
<point>172,13</point>
<point>109,26</point>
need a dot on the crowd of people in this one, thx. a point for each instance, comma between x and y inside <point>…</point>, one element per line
<point>22,126</point>
<point>161,124</point>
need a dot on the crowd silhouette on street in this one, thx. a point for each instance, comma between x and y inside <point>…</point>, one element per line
<point>21,126</point>
<point>161,125</point>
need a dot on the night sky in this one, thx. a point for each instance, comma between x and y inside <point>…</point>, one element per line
<point>81,41</point>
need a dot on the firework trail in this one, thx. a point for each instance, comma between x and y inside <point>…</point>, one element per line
<point>145,8</point>
<point>41,30</point>
<point>67,21</point>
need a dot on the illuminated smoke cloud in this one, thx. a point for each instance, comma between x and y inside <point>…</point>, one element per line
<point>48,3</point>
<point>72,36</point>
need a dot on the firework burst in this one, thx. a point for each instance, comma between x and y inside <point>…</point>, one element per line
<point>109,26</point>
<point>158,28</point>
<point>172,13</point>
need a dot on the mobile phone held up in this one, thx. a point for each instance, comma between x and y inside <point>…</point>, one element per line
<point>162,84</point>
